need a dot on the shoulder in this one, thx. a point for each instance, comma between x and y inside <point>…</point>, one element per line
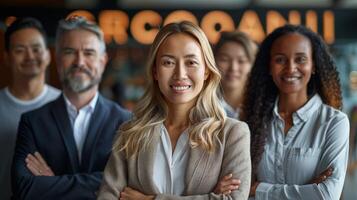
<point>329,114</point>
<point>2,94</point>
<point>235,124</point>
<point>43,111</point>
<point>115,109</point>
<point>235,129</point>
<point>334,122</point>
<point>52,91</point>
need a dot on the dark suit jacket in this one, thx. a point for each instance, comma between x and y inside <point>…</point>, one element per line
<point>48,131</point>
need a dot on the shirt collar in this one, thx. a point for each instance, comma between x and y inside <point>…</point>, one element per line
<point>72,110</point>
<point>305,112</point>
<point>229,109</point>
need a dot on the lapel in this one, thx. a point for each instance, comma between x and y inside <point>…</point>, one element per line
<point>97,121</point>
<point>198,163</point>
<point>60,114</point>
<point>146,163</point>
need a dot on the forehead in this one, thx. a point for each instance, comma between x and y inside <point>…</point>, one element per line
<point>180,43</point>
<point>292,42</point>
<point>26,36</point>
<point>231,47</point>
<point>80,38</point>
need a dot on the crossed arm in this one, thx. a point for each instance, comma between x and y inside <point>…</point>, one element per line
<point>32,178</point>
<point>328,184</point>
<point>115,180</point>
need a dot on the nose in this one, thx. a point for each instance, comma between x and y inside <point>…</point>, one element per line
<point>80,60</point>
<point>30,54</point>
<point>291,66</point>
<point>234,65</point>
<point>180,71</point>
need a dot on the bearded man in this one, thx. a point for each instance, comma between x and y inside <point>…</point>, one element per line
<point>62,147</point>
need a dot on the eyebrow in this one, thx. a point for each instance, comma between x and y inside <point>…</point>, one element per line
<point>23,46</point>
<point>186,56</point>
<point>191,56</point>
<point>166,55</point>
<point>301,53</point>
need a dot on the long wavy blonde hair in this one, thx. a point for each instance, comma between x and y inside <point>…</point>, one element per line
<point>206,118</point>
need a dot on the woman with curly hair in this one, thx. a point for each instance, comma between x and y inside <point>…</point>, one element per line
<point>179,143</point>
<point>292,105</point>
<point>235,54</point>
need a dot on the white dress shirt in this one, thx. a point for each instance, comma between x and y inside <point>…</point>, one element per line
<point>80,121</point>
<point>170,167</point>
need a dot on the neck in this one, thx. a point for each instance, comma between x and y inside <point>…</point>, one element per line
<point>25,88</point>
<point>234,97</point>
<point>288,104</point>
<point>80,100</point>
<point>178,117</point>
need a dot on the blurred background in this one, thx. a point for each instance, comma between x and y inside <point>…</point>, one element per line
<point>131,25</point>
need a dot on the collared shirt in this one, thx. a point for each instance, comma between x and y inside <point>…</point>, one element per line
<point>170,167</point>
<point>80,121</point>
<point>230,111</point>
<point>317,140</point>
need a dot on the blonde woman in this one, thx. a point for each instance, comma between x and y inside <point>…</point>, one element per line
<point>179,143</point>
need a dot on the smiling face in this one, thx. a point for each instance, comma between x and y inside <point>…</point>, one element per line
<point>291,64</point>
<point>80,60</point>
<point>28,54</point>
<point>234,64</point>
<point>180,69</point>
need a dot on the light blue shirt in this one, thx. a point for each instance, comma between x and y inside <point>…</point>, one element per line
<point>170,167</point>
<point>80,121</point>
<point>317,140</point>
<point>230,111</point>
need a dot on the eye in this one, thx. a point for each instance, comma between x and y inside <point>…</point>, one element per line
<point>301,59</point>
<point>19,50</point>
<point>68,51</point>
<point>192,63</point>
<point>223,58</point>
<point>37,49</point>
<point>243,61</point>
<point>89,53</point>
<point>167,62</point>
<point>279,60</point>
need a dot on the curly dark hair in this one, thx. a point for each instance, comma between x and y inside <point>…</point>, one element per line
<point>261,92</point>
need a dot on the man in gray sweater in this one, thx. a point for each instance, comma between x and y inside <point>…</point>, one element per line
<point>27,55</point>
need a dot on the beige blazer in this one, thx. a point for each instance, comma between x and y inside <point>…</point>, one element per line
<point>204,168</point>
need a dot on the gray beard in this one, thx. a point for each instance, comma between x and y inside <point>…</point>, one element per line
<point>80,86</point>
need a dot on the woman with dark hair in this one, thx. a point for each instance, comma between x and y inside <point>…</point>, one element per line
<point>234,54</point>
<point>292,106</point>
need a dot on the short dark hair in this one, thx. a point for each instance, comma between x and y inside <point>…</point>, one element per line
<point>23,23</point>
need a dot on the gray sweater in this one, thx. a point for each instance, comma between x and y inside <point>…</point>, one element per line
<point>11,109</point>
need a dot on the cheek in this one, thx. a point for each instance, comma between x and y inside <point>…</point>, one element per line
<point>247,67</point>
<point>223,66</point>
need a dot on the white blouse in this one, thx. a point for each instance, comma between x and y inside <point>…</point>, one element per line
<point>170,167</point>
